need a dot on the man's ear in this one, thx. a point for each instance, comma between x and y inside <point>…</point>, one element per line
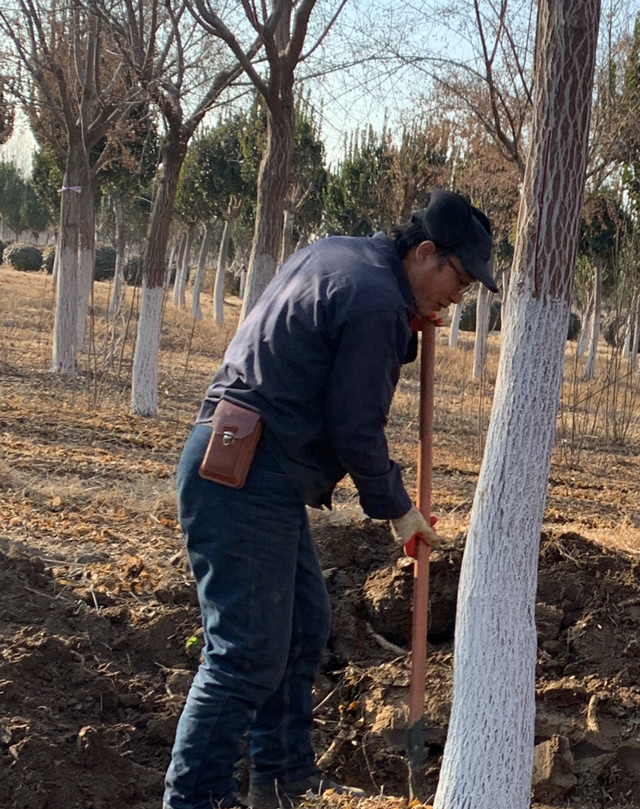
<point>426,248</point>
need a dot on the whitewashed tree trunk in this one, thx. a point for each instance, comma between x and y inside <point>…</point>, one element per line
<point>628,330</point>
<point>56,264</point>
<point>273,182</point>
<point>118,275</point>
<point>65,328</point>
<point>635,343</point>
<point>585,332</point>
<point>590,367</point>
<point>86,258</point>
<point>180,285</point>
<point>488,756</point>
<point>482,328</point>
<point>504,308</point>
<point>173,261</point>
<point>177,281</point>
<point>243,282</point>
<point>144,394</point>
<point>454,332</point>
<point>196,311</point>
<point>287,232</point>
<point>223,254</point>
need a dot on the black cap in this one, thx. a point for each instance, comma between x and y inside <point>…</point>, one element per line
<point>451,223</point>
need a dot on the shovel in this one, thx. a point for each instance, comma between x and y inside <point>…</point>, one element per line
<point>416,732</point>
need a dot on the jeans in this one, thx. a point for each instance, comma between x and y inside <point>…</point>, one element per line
<point>266,618</point>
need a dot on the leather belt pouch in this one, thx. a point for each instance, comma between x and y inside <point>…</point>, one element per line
<point>234,438</point>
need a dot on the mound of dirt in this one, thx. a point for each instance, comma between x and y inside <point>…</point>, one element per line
<point>92,681</point>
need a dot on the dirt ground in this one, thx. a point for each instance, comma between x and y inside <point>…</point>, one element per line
<point>99,628</point>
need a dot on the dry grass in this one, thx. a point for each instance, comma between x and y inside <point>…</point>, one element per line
<point>594,469</point>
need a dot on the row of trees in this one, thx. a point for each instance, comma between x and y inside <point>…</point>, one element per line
<point>118,120</point>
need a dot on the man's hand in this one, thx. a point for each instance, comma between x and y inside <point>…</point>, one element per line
<point>406,527</point>
<point>440,318</point>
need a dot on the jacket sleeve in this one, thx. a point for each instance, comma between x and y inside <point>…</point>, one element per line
<point>363,379</point>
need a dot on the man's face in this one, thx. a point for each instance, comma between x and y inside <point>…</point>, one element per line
<point>437,281</point>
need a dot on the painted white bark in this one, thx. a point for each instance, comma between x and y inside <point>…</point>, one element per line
<point>196,311</point>
<point>504,309</point>
<point>454,332</point>
<point>586,331</point>
<point>287,232</point>
<point>482,328</point>
<point>590,367</point>
<point>635,343</point>
<point>223,254</point>
<point>144,388</point>
<point>180,284</point>
<point>66,315</point>
<point>628,329</point>
<point>86,259</point>
<point>172,257</point>
<point>118,275</point>
<point>243,282</point>
<point>488,756</point>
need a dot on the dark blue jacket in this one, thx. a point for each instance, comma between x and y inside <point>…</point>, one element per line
<point>319,357</point>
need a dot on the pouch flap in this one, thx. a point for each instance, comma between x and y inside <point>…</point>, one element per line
<point>230,417</point>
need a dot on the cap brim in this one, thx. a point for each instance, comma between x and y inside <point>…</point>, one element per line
<point>475,253</point>
<point>476,267</point>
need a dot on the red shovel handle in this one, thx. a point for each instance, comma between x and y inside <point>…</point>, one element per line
<point>422,549</point>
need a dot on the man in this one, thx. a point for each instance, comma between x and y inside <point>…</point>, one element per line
<point>318,359</point>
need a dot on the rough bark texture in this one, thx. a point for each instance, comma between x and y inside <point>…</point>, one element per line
<point>144,393</point>
<point>273,183</point>
<point>86,255</point>
<point>482,329</point>
<point>454,331</point>
<point>65,329</point>
<point>635,344</point>
<point>207,233</point>
<point>590,367</point>
<point>144,396</point>
<point>118,275</point>
<point>218,289</point>
<point>488,756</point>
<point>182,274</point>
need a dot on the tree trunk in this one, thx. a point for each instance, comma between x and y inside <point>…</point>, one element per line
<point>118,275</point>
<point>273,183</point>
<point>454,332</point>
<point>86,254</point>
<point>488,756</point>
<point>182,273</point>
<point>585,332</point>
<point>175,250</point>
<point>287,233</point>
<point>144,384</point>
<point>504,308</point>
<point>202,260</point>
<point>635,343</point>
<point>590,367</point>
<point>65,329</point>
<point>482,327</point>
<point>223,253</point>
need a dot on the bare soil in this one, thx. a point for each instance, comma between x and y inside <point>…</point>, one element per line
<point>99,626</point>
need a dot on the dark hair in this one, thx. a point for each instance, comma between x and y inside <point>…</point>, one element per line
<point>408,235</point>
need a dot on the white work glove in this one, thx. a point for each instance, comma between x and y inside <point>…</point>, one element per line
<point>441,318</point>
<point>406,527</point>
